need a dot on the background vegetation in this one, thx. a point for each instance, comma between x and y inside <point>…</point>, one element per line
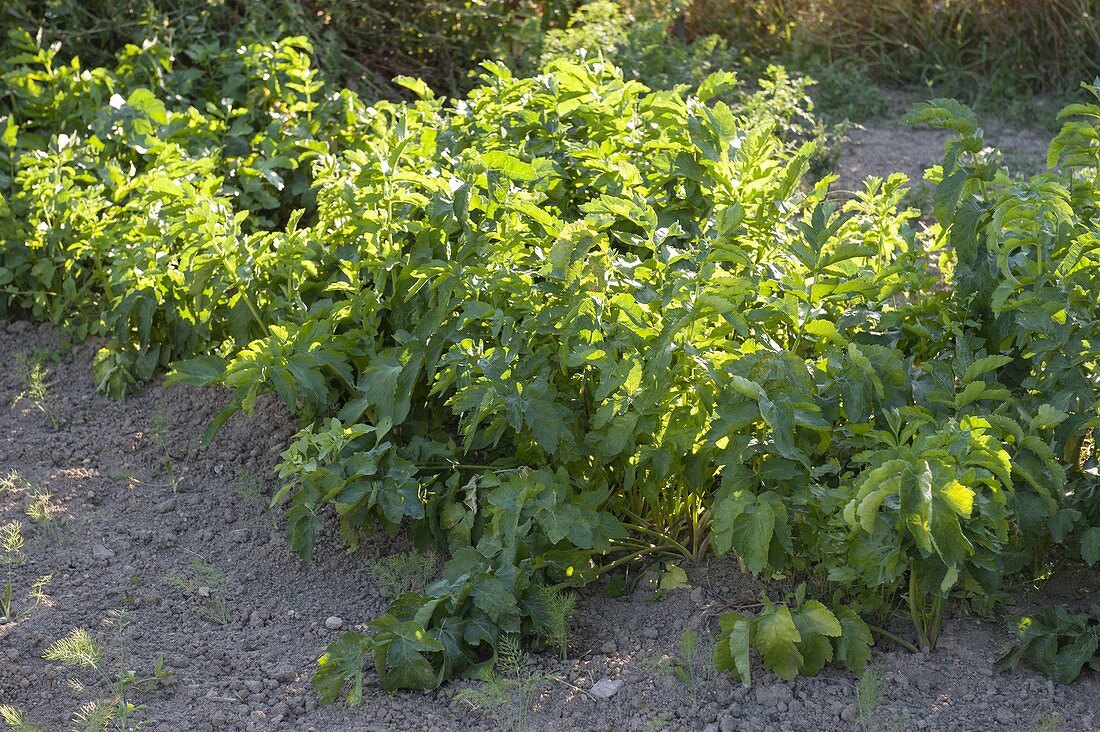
<point>596,308</point>
<point>982,51</point>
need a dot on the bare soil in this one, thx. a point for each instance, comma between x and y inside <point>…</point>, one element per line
<point>885,145</point>
<point>241,652</point>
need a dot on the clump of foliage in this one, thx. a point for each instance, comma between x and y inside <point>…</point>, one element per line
<point>638,42</point>
<point>507,688</point>
<point>397,574</point>
<point>16,721</point>
<point>205,585</point>
<point>11,554</point>
<point>569,322</point>
<point>982,50</point>
<point>793,639</point>
<point>113,706</point>
<point>37,391</point>
<point>1056,642</point>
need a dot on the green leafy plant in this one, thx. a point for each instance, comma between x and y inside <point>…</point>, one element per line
<point>397,574</point>
<point>108,664</point>
<point>1047,723</point>
<point>37,390</point>
<point>694,663</point>
<point>569,325</point>
<point>507,688</point>
<point>553,616</point>
<point>16,721</point>
<point>869,696</point>
<point>11,554</point>
<point>42,511</point>
<point>794,639</point>
<point>39,505</point>
<point>1056,642</point>
<point>158,427</point>
<point>205,585</point>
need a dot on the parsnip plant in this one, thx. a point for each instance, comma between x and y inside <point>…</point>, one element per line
<point>37,391</point>
<point>570,322</point>
<point>11,554</point>
<point>114,684</point>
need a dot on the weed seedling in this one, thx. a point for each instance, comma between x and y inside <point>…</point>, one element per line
<point>37,390</point>
<point>107,661</point>
<point>556,611</point>
<point>658,724</point>
<point>15,720</point>
<point>507,690</point>
<point>252,490</point>
<point>400,573</point>
<point>1047,723</point>
<point>693,664</point>
<point>206,585</point>
<point>11,554</point>
<point>38,591</point>
<point>158,427</point>
<point>868,696</point>
<point>39,503</point>
<point>14,482</point>
<point>42,510</point>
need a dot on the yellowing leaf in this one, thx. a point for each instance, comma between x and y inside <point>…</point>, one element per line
<point>959,497</point>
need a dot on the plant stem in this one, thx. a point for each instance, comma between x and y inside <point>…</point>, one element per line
<point>894,637</point>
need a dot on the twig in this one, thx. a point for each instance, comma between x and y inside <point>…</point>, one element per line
<point>560,680</point>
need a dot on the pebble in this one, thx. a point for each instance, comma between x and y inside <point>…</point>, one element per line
<point>773,695</point>
<point>334,622</point>
<point>606,688</point>
<point>102,553</point>
<point>165,506</point>
<point>283,673</point>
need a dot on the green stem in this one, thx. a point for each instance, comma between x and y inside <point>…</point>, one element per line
<point>630,558</point>
<point>681,549</point>
<point>893,637</point>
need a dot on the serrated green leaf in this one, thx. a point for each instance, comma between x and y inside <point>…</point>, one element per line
<point>776,638</point>
<point>342,661</point>
<point>853,646</point>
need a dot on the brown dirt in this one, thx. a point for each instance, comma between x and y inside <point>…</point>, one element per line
<point>886,145</point>
<point>125,533</point>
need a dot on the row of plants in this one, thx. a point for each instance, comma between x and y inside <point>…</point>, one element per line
<point>568,323</point>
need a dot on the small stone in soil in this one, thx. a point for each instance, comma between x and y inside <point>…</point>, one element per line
<point>101,552</point>
<point>606,688</point>
<point>283,673</point>
<point>334,623</point>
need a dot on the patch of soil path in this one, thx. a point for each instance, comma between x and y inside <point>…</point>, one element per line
<point>125,535</point>
<point>883,146</point>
